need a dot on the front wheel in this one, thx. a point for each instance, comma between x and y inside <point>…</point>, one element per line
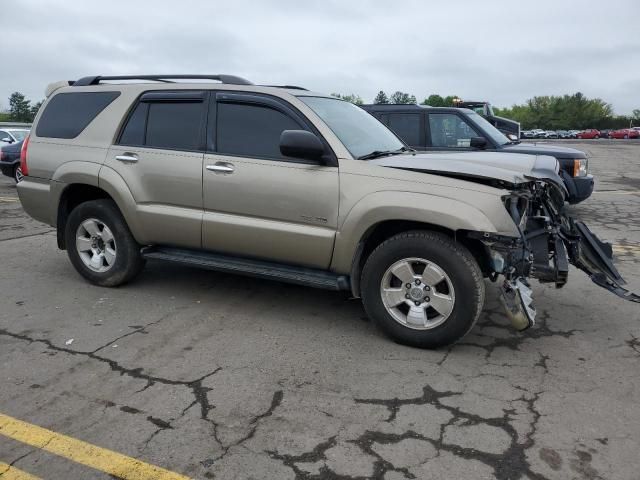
<point>626,136</point>
<point>423,289</point>
<point>17,174</point>
<point>100,245</point>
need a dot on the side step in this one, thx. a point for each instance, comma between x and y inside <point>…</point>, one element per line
<point>255,268</point>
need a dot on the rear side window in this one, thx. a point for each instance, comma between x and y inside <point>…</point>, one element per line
<point>406,126</point>
<point>168,124</point>
<point>68,114</point>
<point>251,130</point>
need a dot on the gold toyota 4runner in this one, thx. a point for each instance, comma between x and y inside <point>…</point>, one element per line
<point>287,184</point>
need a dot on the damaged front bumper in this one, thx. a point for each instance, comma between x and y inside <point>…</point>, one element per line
<point>549,241</point>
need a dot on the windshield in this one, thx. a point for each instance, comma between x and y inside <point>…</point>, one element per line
<point>19,134</point>
<point>488,130</point>
<point>360,132</point>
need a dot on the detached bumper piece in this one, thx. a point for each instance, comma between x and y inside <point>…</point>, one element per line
<point>595,258</point>
<point>517,301</point>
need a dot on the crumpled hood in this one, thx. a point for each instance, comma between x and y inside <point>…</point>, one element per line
<point>509,167</point>
<point>544,149</point>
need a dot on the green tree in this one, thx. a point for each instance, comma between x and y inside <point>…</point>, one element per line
<point>402,98</point>
<point>636,114</point>
<point>19,108</point>
<point>381,98</point>
<point>436,100</point>
<point>352,97</point>
<point>34,109</point>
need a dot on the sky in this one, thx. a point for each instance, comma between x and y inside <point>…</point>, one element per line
<point>501,51</point>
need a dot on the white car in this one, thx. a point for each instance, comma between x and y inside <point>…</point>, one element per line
<point>12,135</point>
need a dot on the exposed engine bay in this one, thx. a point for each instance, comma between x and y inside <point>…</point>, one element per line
<point>549,241</point>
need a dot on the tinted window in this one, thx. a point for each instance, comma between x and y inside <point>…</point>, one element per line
<point>406,126</point>
<point>68,114</point>
<point>174,125</point>
<point>251,130</point>
<point>133,133</point>
<point>4,135</point>
<point>450,130</point>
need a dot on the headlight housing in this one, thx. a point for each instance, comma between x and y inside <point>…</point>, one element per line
<point>580,167</point>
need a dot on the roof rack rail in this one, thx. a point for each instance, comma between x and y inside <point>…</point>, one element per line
<point>96,79</point>
<point>290,87</point>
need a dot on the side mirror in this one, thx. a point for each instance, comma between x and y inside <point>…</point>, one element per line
<point>301,144</point>
<point>478,142</point>
<point>7,140</point>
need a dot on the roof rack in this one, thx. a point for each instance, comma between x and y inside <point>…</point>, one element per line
<point>290,87</point>
<point>95,80</point>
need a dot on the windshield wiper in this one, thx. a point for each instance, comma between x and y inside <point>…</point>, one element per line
<point>384,153</point>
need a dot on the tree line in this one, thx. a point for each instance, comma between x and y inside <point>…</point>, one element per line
<point>20,109</point>
<point>548,112</point>
<point>564,112</point>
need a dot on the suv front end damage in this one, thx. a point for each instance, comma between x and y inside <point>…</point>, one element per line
<point>549,241</point>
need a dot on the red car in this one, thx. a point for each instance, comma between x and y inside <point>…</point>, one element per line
<point>625,133</point>
<point>590,133</point>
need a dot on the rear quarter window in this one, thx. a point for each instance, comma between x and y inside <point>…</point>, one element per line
<point>68,114</point>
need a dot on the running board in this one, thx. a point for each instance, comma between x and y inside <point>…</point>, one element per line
<point>255,268</point>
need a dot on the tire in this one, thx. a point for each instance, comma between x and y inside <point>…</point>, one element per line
<point>17,174</point>
<point>597,137</point>
<point>626,136</point>
<point>463,284</point>
<point>116,257</point>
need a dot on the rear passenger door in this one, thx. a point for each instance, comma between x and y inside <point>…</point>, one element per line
<point>257,202</point>
<point>159,155</point>
<point>449,131</point>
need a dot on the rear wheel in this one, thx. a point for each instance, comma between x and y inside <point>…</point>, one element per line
<point>17,174</point>
<point>626,136</point>
<point>423,289</point>
<point>100,245</point>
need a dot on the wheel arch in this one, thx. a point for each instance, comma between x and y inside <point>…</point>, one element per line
<point>378,233</point>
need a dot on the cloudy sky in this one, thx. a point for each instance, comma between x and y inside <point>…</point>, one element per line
<point>501,51</point>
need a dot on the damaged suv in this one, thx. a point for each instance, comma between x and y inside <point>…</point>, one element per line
<point>286,184</point>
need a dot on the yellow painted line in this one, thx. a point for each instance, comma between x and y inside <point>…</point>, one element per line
<point>618,192</point>
<point>8,199</point>
<point>113,463</point>
<point>626,248</point>
<point>7,472</point>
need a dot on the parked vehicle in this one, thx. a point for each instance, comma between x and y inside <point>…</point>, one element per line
<point>10,160</point>
<point>625,133</point>
<point>12,135</point>
<point>606,133</point>
<point>527,134</point>
<point>550,134</point>
<point>438,129</point>
<point>589,134</point>
<point>505,125</point>
<point>244,178</point>
<point>574,133</point>
<point>538,133</point>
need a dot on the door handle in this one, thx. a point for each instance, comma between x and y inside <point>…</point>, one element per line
<point>127,157</point>
<point>220,167</point>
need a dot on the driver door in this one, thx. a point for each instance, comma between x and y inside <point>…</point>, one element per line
<point>257,202</point>
<point>449,131</point>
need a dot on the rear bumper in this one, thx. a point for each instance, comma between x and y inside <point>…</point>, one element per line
<point>35,196</point>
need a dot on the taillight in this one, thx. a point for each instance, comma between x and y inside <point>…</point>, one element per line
<point>23,156</point>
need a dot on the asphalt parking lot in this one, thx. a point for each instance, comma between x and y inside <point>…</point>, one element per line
<point>217,376</point>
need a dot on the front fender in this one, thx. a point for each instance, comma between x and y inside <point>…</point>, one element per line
<point>444,212</point>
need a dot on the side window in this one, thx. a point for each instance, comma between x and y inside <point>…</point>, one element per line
<point>406,126</point>
<point>251,130</point>
<point>4,135</point>
<point>172,125</point>
<point>449,130</point>
<point>68,114</point>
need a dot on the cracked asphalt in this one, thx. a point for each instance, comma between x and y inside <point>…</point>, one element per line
<point>219,376</point>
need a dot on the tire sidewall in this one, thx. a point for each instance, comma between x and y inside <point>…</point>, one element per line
<point>455,260</point>
<point>127,250</point>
